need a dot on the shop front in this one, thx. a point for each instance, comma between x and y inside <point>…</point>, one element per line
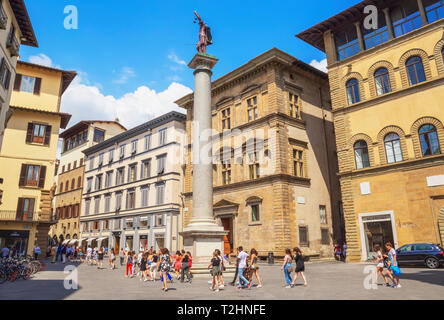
<point>15,240</point>
<point>143,242</point>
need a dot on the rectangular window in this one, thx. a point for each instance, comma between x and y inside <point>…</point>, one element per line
<point>254,166</point>
<point>89,184</point>
<point>325,236</point>
<point>32,175</point>
<point>132,173</point>
<point>91,163</point>
<point>25,209</point>
<point>108,179</point>
<point>118,201</point>
<point>434,10</point>
<point>226,173</point>
<point>146,169</point>
<point>134,147</point>
<point>27,84</point>
<point>255,213</point>
<point>111,156</point>
<point>406,17</point>
<point>117,224</point>
<point>347,43</point>
<point>38,133</point>
<point>293,104</point>
<point>252,108</point>
<point>226,119</point>
<point>161,161</point>
<point>159,221</point>
<point>96,205</point>
<point>323,214</point>
<point>144,222</point>
<point>107,203</point>
<point>87,206</point>
<point>160,193</point>
<point>120,176</point>
<point>129,223</point>
<point>298,163</point>
<point>95,226</point>
<point>99,135</point>
<point>147,142</point>
<point>101,159</point>
<point>303,236</point>
<point>162,137</point>
<point>131,199</point>
<point>5,74</point>
<point>98,182</point>
<point>373,38</point>
<point>122,151</point>
<point>144,191</point>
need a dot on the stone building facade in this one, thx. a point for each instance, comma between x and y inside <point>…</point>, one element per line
<point>69,175</point>
<point>273,157</point>
<point>132,187</point>
<point>387,89</point>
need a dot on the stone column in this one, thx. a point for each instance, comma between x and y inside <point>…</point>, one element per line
<point>360,37</point>
<point>203,235</point>
<point>422,11</point>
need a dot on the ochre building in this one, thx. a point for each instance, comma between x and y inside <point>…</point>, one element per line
<point>28,155</point>
<point>387,89</point>
<point>274,167</point>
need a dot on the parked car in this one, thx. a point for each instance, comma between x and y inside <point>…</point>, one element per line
<point>428,254</point>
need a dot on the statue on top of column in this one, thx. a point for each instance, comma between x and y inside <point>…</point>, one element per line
<point>205,38</point>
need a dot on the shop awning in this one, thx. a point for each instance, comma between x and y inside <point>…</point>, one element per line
<point>65,241</point>
<point>91,239</point>
<point>102,238</point>
<point>73,241</point>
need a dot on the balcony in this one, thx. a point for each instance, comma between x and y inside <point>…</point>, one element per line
<point>3,18</point>
<point>13,45</point>
<point>7,215</point>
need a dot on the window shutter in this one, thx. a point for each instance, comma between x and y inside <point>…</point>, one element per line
<point>47,135</point>
<point>22,180</point>
<point>42,176</point>
<point>8,79</point>
<point>29,132</point>
<point>31,206</point>
<point>19,212</point>
<point>37,85</point>
<point>2,65</point>
<point>17,82</point>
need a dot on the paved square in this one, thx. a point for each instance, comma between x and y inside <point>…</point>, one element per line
<point>327,280</point>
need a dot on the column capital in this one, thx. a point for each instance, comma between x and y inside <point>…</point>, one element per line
<point>203,61</point>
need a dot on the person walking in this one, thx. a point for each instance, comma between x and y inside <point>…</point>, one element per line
<point>89,255</point>
<point>64,250</point>
<point>379,259</point>
<point>112,259</point>
<point>243,256</point>
<point>222,269</point>
<point>177,264</point>
<point>215,271</point>
<point>143,269</point>
<point>300,266</point>
<point>287,267</point>
<point>344,251</point>
<point>254,267</point>
<point>233,283</point>
<point>185,268</point>
<point>59,252</point>
<point>122,257</point>
<point>165,265</point>
<point>36,252</point>
<point>338,254</point>
<point>129,264</point>
<point>393,265</point>
<point>135,262</point>
<point>100,255</point>
<point>153,269</point>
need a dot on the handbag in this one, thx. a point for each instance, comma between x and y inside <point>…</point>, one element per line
<point>396,270</point>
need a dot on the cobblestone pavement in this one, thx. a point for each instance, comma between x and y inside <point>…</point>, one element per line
<point>327,280</point>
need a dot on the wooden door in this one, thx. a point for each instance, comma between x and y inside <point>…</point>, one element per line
<point>228,226</point>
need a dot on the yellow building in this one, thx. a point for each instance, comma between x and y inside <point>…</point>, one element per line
<point>274,168</point>
<point>28,155</point>
<point>70,172</point>
<point>387,88</point>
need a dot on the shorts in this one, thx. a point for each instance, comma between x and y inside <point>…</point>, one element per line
<point>153,267</point>
<point>380,265</point>
<point>215,271</point>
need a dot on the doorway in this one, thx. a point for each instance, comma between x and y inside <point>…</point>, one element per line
<point>376,229</point>
<point>160,242</point>
<point>227,223</point>
<point>117,244</point>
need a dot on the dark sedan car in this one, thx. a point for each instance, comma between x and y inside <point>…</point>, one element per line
<point>428,254</point>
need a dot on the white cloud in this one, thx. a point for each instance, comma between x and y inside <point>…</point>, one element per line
<point>321,65</point>
<point>43,60</point>
<point>86,102</point>
<point>173,57</point>
<point>125,75</point>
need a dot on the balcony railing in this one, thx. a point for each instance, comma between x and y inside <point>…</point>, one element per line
<point>3,18</point>
<point>13,45</point>
<point>7,215</point>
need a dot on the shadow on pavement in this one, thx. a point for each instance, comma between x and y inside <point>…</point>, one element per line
<point>428,276</point>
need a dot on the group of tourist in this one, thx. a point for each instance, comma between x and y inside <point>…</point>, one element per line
<point>387,260</point>
<point>64,253</point>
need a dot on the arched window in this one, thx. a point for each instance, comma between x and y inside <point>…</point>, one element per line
<point>73,184</point>
<point>415,70</point>
<point>79,182</point>
<point>67,186</point>
<point>61,187</point>
<point>382,81</point>
<point>393,148</point>
<point>353,95</point>
<point>361,155</point>
<point>429,140</point>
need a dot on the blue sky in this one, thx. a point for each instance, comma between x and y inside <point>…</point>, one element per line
<point>120,47</point>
